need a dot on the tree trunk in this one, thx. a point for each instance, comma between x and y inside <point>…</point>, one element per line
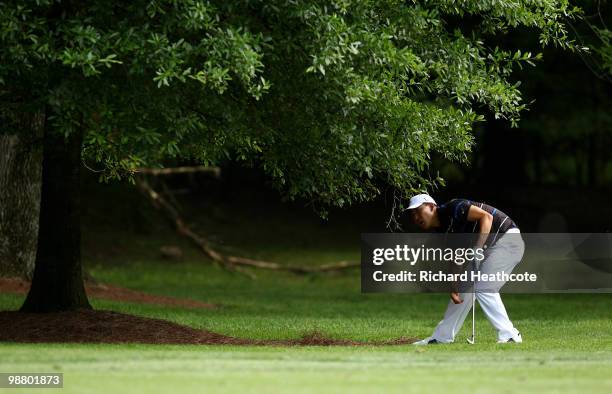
<point>57,284</point>
<point>20,172</point>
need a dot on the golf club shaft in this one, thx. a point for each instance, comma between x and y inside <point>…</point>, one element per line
<point>473,315</point>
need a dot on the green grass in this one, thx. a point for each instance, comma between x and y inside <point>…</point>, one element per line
<point>152,369</point>
<point>568,339</point>
<point>567,348</point>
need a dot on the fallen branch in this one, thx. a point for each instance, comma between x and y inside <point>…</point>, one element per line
<point>216,171</point>
<point>296,269</point>
<point>227,261</point>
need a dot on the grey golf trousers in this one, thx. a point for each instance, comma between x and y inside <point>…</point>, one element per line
<point>504,255</point>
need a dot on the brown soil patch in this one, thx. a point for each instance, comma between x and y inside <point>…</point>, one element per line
<point>109,292</point>
<point>100,326</point>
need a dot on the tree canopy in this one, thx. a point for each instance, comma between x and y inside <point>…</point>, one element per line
<point>330,98</point>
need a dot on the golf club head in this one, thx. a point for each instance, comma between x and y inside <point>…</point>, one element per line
<point>470,341</point>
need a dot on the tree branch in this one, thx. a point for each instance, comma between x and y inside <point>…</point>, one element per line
<point>216,171</point>
<point>227,261</point>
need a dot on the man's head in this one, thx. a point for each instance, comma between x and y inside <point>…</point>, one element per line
<point>422,210</point>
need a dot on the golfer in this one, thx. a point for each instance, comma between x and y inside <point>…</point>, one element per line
<point>502,253</point>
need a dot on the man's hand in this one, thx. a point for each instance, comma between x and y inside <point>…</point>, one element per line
<point>455,297</point>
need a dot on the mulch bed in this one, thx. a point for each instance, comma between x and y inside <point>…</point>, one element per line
<point>109,292</point>
<point>101,326</point>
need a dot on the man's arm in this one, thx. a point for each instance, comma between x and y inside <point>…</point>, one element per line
<point>485,221</point>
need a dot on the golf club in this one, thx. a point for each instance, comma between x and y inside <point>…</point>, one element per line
<point>471,340</point>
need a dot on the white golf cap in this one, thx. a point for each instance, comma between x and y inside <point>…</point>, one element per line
<point>419,199</point>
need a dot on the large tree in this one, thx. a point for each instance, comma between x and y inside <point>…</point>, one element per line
<point>332,99</point>
<point>20,171</point>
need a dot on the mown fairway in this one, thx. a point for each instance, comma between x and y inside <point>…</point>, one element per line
<point>568,339</point>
